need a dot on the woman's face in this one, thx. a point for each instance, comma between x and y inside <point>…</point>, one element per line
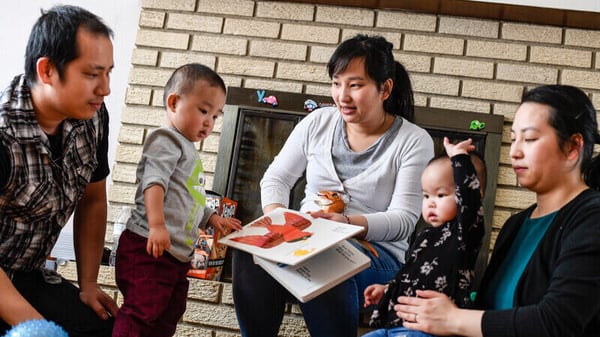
<point>538,161</point>
<point>356,94</point>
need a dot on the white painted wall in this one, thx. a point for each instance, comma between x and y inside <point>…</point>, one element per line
<point>122,16</point>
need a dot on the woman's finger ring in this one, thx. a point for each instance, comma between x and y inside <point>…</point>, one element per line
<point>415,320</point>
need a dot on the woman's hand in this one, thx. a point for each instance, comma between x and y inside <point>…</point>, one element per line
<point>330,216</point>
<point>436,314</point>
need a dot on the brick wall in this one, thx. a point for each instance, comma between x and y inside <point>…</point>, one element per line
<point>455,63</point>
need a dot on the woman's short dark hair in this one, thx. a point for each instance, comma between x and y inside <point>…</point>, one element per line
<point>572,112</point>
<point>54,35</point>
<point>380,66</point>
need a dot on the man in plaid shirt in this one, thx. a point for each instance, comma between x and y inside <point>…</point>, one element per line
<point>53,163</point>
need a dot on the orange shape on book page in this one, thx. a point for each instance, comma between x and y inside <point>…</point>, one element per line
<point>303,252</point>
<point>290,231</point>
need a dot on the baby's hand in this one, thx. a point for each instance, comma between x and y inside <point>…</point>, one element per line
<point>220,223</point>
<point>373,294</point>
<point>159,240</point>
<point>463,147</point>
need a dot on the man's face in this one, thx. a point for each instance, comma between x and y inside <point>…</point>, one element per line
<point>86,79</point>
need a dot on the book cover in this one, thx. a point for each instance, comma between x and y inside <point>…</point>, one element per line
<point>209,254</point>
<point>289,236</point>
<point>320,273</point>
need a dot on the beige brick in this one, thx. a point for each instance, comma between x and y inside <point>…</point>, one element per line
<point>596,101</point>
<point>121,193</point>
<point>506,176</point>
<point>463,67</point>
<point>302,72</point>
<point>580,78</point>
<point>470,27</point>
<point>406,21</point>
<point>246,67</point>
<point>147,76</point>
<point>151,38</point>
<point>460,104</point>
<point>227,294</point>
<point>152,19</point>
<point>218,315</point>
<point>433,44</point>
<point>128,153</point>
<point>265,84</point>
<point>499,218</point>
<point>144,57</point>
<point>284,11</point>
<point>310,33</point>
<point>420,100</point>
<point>209,161</point>
<point>278,50</point>
<point>532,33</point>
<point>175,59</point>
<point>204,290</point>
<point>526,73</point>
<point>561,56</point>
<point>505,154</point>
<point>195,22</point>
<point>583,38</point>
<point>219,44</point>
<point>320,54</point>
<point>506,133</point>
<point>414,62</point>
<point>124,173</point>
<point>293,326</point>
<point>138,95</point>
<point>497,50</point>
<point>193,330</point>
<point>435,84</point>
<point>211,144</point>
<point>322,90</point>
<point>232,81</point>
<point>179,5</point>
<point>157,98</point>
<point>131,134</point>
<point>143,115</point>
<point>392,37</point>
<point>228,7</point>
<point>344,15</point>
<point>492,90</point>
<point>251,28</point>
<point>506,109</point>
<point>514,198</point>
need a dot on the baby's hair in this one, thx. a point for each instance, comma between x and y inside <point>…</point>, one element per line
<point>183,79</point>
<point>478,163</point>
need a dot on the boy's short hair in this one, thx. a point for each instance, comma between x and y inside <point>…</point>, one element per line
<point>183,79</point>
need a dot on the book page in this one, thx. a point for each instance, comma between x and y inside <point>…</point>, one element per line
<point>288,236</point>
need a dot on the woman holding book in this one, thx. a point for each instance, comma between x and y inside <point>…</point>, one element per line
<point>367,149</point>
<point>543,278</point>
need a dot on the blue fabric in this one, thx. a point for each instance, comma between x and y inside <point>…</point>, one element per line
<point>259,300</point>
<point>506,279</point>
<point>398,331</point>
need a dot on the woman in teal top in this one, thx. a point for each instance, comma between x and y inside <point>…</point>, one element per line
<point>543,278</point>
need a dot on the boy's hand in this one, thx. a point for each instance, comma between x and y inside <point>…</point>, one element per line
<point>159,240</point>
<point>463,147</point>
<point>220,223</point>
<point>373,294</point>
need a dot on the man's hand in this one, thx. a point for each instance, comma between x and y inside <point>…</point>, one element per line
<point>102,304</point>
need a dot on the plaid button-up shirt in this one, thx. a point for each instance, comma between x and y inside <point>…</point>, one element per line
<point>40,193</point>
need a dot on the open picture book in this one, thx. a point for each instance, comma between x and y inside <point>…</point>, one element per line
<point>320,273</point>
<point>289,237</point>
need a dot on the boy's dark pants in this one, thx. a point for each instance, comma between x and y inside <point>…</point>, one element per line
<point>61,304</point>
<point>154,290</point>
